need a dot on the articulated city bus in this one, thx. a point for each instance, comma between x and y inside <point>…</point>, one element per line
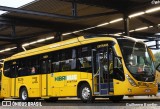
<point>85,67</point>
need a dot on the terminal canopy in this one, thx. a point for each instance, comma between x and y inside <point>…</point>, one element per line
<point>41,22</point>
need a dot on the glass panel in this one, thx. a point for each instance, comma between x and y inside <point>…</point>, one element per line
<point>137,60</point>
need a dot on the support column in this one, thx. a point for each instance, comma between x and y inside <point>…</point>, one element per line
<point>58,37</point>
<point>19,47</point>
<point>126,24</point>
<point>74,8</point>
<point>13,34</point>
<point>157,44</point>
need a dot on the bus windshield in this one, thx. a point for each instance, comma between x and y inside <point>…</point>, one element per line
<point>137,60</point>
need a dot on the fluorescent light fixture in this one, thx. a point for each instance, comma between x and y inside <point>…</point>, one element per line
<point>152,10</point>
<point>150,26</point>
<point>41,40</point>
<point>48,38</point>
<point>32,42</point>
<point>116,20</point>
<point>136,14</point>
<point>66,34</point>
<point>7,49</point>
<point>26,44</point>
<point>13,47</point>
<point>116,34</point>
<point>90,28</point>
<point>119,33</point>
<point>131,31</point>
<point>103,24</point>
<point>78,31</point>
<point>142,28</point>
<point>1,51</point>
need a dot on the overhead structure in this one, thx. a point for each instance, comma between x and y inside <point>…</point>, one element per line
<point>34,22</point>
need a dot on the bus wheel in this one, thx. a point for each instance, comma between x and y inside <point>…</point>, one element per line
<point>24,94</point>
<point>86,93</point>
<point>52,99</point>
<point>116,99</point>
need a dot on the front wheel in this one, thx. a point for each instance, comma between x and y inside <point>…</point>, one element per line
<point>86,93</point>
<point>24,94</point>
<point>116,99</point>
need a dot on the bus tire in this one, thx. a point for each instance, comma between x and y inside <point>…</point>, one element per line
<point>24,94</point>
<point>86,93</point>
<point>116,99</point>
<point>52,99</point>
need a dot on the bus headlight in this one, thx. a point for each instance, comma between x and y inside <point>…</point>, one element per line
<point>131,81</point>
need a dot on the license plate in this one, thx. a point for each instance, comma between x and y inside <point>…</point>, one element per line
<point>148,90</point>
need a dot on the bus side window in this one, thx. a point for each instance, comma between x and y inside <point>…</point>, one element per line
<point>73,60</point>
<point>84,57</point>
<point>7,69</point>
<point>14,69</point>
<point>33,67</point>
<point>55,66</point>
<point>66,57</point>
<point>22,68</point>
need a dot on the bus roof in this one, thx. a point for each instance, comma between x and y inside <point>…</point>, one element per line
<point>62,45</point>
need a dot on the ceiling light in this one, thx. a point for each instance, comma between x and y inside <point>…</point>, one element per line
<point>103,24</point>
<point>48,38</point>
<point>150,26</point>
<point>66,34</point>
<point>116,20</point>
<point>131,31</point>
<point>7,49</point>
<point>136,14</point>
<point>41,40</point>
<point>118,33</point>
<point>90,28</point>
<point>152,10</point>
<point>1,51</point>
<point>142,28</point>
<point>32,42</point>
<point>26,44</point>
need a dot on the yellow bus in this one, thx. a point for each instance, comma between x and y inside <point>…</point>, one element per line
<point>85,67</point>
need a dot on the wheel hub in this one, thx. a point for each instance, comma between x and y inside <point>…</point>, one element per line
<point>24,95</point>
<point>86,93</point>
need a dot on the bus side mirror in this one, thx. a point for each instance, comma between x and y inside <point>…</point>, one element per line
<point>158,68</point>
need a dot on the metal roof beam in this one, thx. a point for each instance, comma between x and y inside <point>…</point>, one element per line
<point>22,11</point>
<point>103,3</point>
<point>141,7</point>
<point>146,21</point>
<point>51,15</point>
<point>99,14</point>
<point>55,26</point>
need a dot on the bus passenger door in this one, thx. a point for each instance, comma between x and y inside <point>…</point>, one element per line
<point>102,81</point>
<point>45,70</point>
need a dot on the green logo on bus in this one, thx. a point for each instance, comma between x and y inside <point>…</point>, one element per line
<point>60,78</point>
